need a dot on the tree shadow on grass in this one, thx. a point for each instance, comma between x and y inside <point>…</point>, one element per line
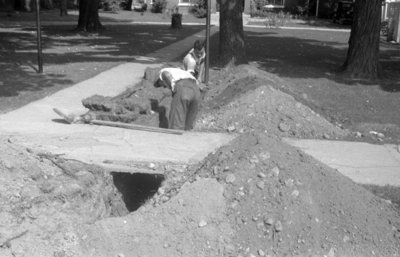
<point>315,54</point>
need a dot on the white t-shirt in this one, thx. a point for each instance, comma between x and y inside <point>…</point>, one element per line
<point>191,61</point>
<point>172,75</point>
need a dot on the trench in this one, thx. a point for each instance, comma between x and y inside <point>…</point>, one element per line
<point>136,188</point>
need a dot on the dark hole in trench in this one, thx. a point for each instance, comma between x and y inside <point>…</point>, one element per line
<point>136,188</point>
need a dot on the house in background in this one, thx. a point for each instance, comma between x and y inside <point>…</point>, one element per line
<point>391,13</point>
<point>319,8</point>
<point>183,5</point>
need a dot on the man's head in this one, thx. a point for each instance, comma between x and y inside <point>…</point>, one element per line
<point>198,48</point>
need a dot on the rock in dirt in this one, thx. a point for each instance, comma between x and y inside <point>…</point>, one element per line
<point>284,127</point>
<point>229,248</point>
<point>261,175</point>
<point>268,221</point>
<point>230,178</point>
<point>230,129</point>
<point>331,253</point>
<point>278,226</point>
<point>265,156</point>
<point>295,193</point>
<point>261,184</point>
<point>275,171</point>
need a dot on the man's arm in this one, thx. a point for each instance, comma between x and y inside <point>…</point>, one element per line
<point>201,75</point>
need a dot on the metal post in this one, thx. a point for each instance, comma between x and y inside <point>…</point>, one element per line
<point>317,8</point>
<point>207,65</point>
<point>39,37</point>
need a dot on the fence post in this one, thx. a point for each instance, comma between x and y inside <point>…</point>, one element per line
<point>39,37</point>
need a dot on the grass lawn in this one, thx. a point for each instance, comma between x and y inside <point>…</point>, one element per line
<point>105,17</point>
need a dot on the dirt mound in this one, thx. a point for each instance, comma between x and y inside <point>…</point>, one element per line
<point>191,224</point>
<point>284,203</point>
<point>45,198</point>
<point>243,99</point>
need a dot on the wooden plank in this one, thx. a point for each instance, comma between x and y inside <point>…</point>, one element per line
<point>135,127</point>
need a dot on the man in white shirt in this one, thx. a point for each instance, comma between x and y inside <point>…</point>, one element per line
<point>185,97</point>
<point>194,61</point>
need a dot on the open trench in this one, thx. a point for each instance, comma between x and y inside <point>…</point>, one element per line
<point>126,192</point>
<point>137,188</point>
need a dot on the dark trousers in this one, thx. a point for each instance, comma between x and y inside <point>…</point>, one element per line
<point>185,105</point>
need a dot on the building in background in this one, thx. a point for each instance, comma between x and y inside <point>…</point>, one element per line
<point>391,15</point>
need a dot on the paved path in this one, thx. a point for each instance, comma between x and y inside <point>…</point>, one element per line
<point>364,163</point>
<point>36,125</point>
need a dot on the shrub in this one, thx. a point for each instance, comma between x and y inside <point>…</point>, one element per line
<point>114,5</point>
<point>259,4</point>
<point>199,8</point>
<point>198,12</point>
<point>159,6</point>
<point>253,8</point>
<point>277,19</point>
<point>110,5</point>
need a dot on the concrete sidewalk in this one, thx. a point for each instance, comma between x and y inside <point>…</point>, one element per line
<point>364,163</point>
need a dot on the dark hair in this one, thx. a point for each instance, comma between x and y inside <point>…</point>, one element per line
<point>198,45</point>
<point>159,83</point>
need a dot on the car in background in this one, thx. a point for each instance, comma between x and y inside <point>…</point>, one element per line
<point>139,6</point>
<point>343,11</point>
<point>273,6</point>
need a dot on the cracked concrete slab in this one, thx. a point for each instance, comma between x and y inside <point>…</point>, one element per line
<point>364,163</point>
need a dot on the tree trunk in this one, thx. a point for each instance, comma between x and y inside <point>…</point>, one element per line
<point>362,59</point>
<point>9,5</point>
<point>89,16</point>
<point>176,21</point>
<point>47,4</point>
<point>63,7</point>
<point>231,35</point>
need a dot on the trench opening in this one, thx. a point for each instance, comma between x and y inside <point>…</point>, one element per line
<point>136,188</point>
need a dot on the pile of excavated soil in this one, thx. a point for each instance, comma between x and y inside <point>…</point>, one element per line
<point>256,196</point>
<point>243,99</point>
<point>281,202</point>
